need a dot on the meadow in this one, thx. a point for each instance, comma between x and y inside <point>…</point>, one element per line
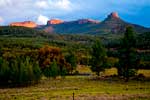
<point>83,87</point>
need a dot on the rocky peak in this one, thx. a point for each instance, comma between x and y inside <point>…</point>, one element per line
<point>113,15</point>
<point>29,24</point>
<point>54,21</point>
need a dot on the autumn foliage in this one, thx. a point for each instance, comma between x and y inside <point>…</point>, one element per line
<point>48,55</point>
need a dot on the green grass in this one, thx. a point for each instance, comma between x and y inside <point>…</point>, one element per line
<point>83,87</point>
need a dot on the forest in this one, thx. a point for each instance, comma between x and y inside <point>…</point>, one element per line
<point>29,56</point>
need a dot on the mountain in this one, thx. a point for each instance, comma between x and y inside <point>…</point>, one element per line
<point>80,26</point>
<point>112,24</point>
<point>29,24</point>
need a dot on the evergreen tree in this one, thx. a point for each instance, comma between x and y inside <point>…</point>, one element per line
<point>37,71</point>
<point>98,60</point>
<point>4,71</point>
<point>54,69</point>
<point>51,70</point>
<point>127,55</point>
<point>72,60</point>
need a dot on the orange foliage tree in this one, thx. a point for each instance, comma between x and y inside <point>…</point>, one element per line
<point>48,54</point>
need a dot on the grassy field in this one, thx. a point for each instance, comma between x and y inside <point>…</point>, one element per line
<point>84,88</point>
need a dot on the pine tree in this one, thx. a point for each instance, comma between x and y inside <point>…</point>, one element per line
<point>37,71</point>
<point>54,69</point>
<point>72,60</point>
<point>127,55</point>
<point>4,71</point>
<point>98,59</point>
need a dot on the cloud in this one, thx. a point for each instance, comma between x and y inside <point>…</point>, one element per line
<point>42,4</point>
<point>63,4</point>
<point>20,10</point>
<point>54,4</point>
<point>4,3</point>
<point>42,19</point>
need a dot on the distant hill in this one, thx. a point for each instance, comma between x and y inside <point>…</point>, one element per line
<point>113,39</point>
<point>112,24</point>
<point>20,31</point>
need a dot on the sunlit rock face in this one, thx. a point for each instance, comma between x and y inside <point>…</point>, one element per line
<point>114,15</point>
<point>84,21</point>
<point>54,21</point>
<point>29,24</point>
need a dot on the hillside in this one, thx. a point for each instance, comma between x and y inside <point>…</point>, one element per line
<point>112,24</point>
<point>20,31</point>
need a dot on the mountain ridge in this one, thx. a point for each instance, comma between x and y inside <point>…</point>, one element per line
<point>111,24</point>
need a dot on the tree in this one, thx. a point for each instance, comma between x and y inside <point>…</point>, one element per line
<point>19,71</point>
<point>98,60</point>
<point>47,55</point>
<point>72,60</point>
<point>127,55</point>
<point>52,70</point>
<point>37,71</point>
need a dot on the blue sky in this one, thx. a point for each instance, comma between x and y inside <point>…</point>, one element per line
<point>134,11</point>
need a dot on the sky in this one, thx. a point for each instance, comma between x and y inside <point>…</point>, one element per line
<point>39,11</point>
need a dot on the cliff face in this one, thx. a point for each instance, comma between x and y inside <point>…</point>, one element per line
<point>54,21</point>
<point>84,21</point>
<point>29,24</point>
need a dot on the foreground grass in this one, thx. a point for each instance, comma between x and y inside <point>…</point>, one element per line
<point>84,88</point>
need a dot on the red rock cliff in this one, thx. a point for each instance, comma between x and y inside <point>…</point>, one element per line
<point>29,24</point>
<point>54,21</point>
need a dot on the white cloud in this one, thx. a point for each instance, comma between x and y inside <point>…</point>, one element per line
<point>42,4</point>
<point>4,3</point>
<point>54,4</point>
<point>42,19</point>
<point>63,4</point>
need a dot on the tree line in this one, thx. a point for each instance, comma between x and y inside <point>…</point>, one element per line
<point>129,62</point>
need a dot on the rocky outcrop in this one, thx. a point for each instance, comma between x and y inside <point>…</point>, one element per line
<point>113,15</point>
<point>84,21</point>
<point>29,24</point>
<point>54,21</point>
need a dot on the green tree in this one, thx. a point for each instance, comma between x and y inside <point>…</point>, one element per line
<point>54,69</point>
<point>127,55</point>
<point>18,71</point>
<point>37,71</point>
<point>98,60</point>
<point>4,71</point>
<point>72,60</point>
<point>51,70</point>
